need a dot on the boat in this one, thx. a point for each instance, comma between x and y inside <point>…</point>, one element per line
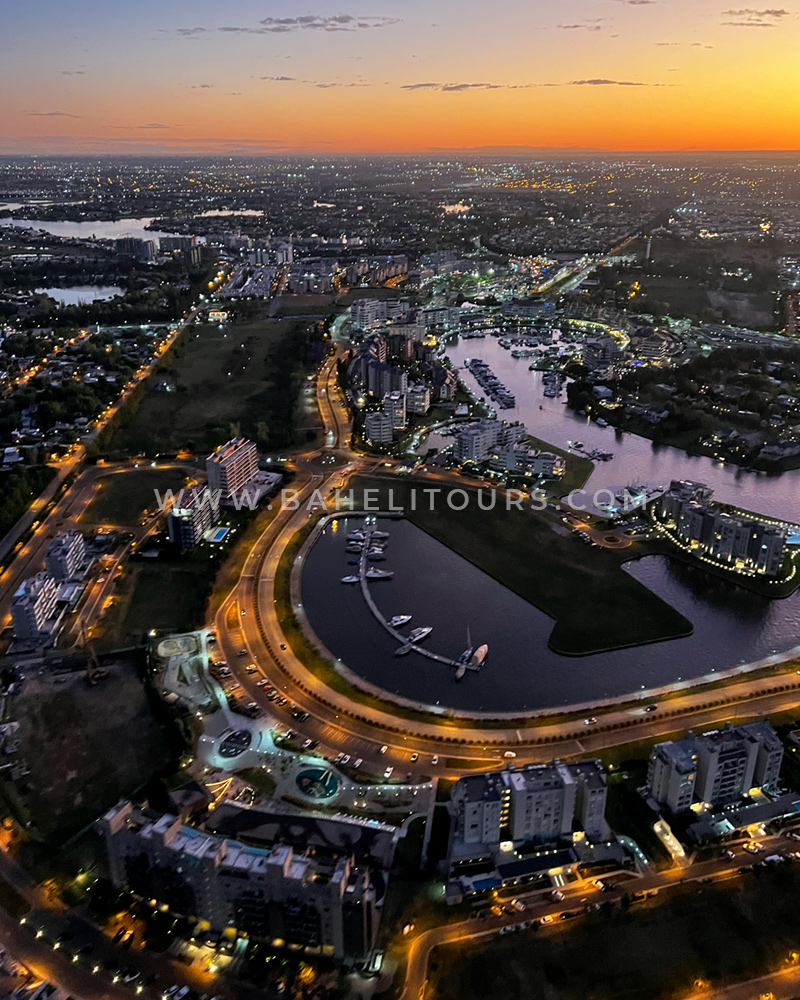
<point>379,574</point>
<point>601,423</point>
<point>380,534</point>
<point>353,562</point>
<point>403,650</point>
<point>399,620</point>
<point>356,536</point>
<point>350,579</point>
<point>464,658</point>
<point>479,655</point>
<point>418,634</point>
<point>375,555</point>
<point>461,670</point>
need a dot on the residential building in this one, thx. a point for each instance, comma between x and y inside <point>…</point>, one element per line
<point>718,767</point>
<point>394,406</point>
<point>378,427</point>
<point>191,515</point>
<point>33,607</point>
<point>536,803</point>
<point>66,555</point>
<point>232,467</point>
<point>304,882</point>
<point>477,441</point>
<point>735,540</point>
<point>418,399</point>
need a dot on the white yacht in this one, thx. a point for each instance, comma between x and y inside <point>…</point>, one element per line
<point>350,579</point>
<point>418,634</point>
<point>373,573</point>
<point>399,620</point>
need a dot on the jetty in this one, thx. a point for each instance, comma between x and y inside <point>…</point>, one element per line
<point>395,633</point>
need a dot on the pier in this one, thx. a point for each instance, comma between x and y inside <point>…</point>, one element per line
<point>400,639</point>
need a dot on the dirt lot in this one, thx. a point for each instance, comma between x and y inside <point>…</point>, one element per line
<point>85,747</point>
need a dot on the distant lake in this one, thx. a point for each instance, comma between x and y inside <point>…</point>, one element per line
<point>81,294</point>
<point>92,230</point>
<point>214,212</point>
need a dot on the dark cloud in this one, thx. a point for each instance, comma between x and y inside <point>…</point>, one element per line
<point>581,27</point>
<point>748,17</point>
<point>305,22</point>
<point>278,79</point>
<point>190,32</point>
<point>460,87</point>
<point>52,114</point>
<point>609,83</point>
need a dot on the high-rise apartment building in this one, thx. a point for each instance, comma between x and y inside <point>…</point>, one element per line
<point>232,467</point>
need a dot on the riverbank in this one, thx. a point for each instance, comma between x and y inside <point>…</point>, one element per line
<point>596,606</point>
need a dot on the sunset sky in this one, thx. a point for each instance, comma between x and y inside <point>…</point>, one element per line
<point>357,76</point>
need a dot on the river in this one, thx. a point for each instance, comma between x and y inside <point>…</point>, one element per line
<point>636,459</point>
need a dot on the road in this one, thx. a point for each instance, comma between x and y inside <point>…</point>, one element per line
<point>577,897</point>
<point>67,514</point>
<point>247,621</point>
<point>77,456</point>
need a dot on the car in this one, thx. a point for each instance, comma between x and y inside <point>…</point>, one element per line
<point>244,612</point>
<point>509,754</point>
<point>518,905</point>
<point>384,748</point>
<point>283,645</point>
<point>358,762</point>
<point>557,895</point>
<point>568,914</point>
<point>262,683</point>
<point>435,759</point>
<point>753,847</point>
<point>242,652</point>
<point>651,708</point>
<point>546,919</point>
<point>745,869</point>
<point>414,756</point>
<point>497,911</point>
<point>338,758</point>
<point>507,929</point>
<point>252,668</point>
<point>307,744</point>
<point>346,758</point>
<point>590,721</point>
<point>388,772</point>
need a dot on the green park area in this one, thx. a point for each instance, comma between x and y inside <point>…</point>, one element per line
<point>243,377</point>
<point>644,951</point>
<point>123,497</point>
<point>70,736</point>
<point>594,603</point>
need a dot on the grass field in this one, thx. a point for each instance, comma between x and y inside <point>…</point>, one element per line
<point>220,381</point>
<point>596,605</point>
<point>85,747</point>
<point>168,595</point>
<point>652,951</point>
<point>122,497</point>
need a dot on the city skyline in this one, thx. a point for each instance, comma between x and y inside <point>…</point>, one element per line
<point>626,75</point>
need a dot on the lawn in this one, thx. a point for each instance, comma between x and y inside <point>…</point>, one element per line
<point>596,605</point>
<point>651,951</point>
<point>217,384</point>
<point>122,497</point>
<point>85,746</point>
<point>166,594</point>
